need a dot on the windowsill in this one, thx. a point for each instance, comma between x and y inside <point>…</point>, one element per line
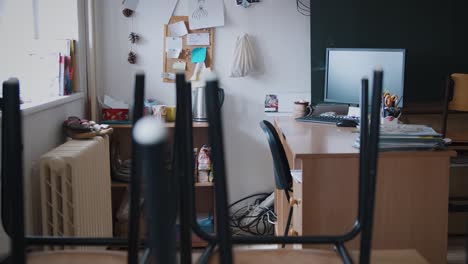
<point>32,108</point>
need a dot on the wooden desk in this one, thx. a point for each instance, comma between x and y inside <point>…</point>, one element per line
<point>412,190</point>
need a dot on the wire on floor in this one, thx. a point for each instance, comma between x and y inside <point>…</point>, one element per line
<point>248,217</point>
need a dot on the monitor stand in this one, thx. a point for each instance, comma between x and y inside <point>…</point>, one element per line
<point>339,109</point>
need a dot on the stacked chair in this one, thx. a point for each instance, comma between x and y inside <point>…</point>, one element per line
<point>367,181</point>
<point>169,197</point>
<point>12,198</point>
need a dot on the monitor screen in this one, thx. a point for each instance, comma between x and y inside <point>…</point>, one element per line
<point>346,67</point>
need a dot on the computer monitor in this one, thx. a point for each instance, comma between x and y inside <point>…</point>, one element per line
<point>346,67</point>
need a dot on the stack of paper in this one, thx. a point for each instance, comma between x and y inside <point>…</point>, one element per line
<point>408,137</point>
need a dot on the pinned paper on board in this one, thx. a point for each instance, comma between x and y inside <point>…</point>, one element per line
<point>168,75</point>
<point>198,39</point>
<point>196,72</point>
<point>131,4</point>
<point>173,47</point>
<point>178,29</point>
<point>179,65</point>
<point>198,55</point>
<point>206,13</point>
<point>173,53</point>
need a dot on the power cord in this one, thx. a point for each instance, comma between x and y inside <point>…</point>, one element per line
<point>251,217</point>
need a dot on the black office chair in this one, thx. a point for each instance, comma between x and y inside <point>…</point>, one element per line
<point>12,197</point>
<point>368,167</point>
<point>282,171</point>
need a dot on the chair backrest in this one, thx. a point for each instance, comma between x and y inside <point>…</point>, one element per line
<point>283,179</point>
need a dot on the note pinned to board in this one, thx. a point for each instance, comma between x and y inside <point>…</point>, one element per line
<point>173,53</point>
<point>178,29</point>
<point>179,65</point>
<point>168,75</point>
<point>198,39</point>
<point>173,47</point>
<point>173,43</point>
<point>198,55</point>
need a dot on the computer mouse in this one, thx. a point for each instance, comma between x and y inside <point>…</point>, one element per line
<point>346,123</point>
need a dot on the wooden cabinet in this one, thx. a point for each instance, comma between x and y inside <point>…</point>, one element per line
<point>204,192</point>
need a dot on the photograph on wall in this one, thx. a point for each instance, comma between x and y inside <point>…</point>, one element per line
<point>271,103</point>
<point>206,14</point>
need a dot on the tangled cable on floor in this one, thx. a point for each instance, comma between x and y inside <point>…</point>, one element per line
<point>247,216</point>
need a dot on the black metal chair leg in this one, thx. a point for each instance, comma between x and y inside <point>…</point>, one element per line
<point>207,253</point>
<point>135,179</point>
<point>344,254</point>
<point>145,258</point>
<point>221,194</point>
<point>13,156</point>
<point>466,245</point>
<point>158,193</point>
<point>288,224</point>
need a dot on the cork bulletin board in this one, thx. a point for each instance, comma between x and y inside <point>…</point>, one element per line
<point>186,54</point>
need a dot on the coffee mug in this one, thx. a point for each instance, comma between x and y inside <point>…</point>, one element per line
<point>170,113</point>
<point>160,111</point>
<point>301,108</point>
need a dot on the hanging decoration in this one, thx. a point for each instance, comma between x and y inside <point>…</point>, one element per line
<point>132,57</point>
<point>133,37</point>
<point>127,12</point>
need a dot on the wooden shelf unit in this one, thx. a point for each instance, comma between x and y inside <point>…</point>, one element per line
<point>118,184</point>
<point>204,192</point>
<point>168,124</point>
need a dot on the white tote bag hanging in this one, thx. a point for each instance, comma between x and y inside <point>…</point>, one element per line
<point>243,61</point>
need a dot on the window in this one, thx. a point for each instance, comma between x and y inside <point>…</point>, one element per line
<point>33,34</point>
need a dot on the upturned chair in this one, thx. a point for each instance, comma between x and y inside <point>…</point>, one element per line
<point>12,198</point>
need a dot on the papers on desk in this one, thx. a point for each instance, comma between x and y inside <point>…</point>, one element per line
<point>408,137</point>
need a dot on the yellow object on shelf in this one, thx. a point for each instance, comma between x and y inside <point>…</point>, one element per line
<point>460,92</point>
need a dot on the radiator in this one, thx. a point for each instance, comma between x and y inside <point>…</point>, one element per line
<point>76,189</point>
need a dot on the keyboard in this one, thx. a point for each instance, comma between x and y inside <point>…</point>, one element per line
<point>326,119</point>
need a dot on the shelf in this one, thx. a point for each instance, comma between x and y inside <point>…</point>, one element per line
<point>204,184</point>
<point>118,184</point>
<point>168,124</point>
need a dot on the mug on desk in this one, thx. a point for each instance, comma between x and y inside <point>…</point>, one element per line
<point>170,113</point>
<point>160,111</point>
<point>301,108</point>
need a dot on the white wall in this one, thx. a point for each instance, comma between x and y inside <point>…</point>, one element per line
<point>42,131</point>
<point>282,40</point>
